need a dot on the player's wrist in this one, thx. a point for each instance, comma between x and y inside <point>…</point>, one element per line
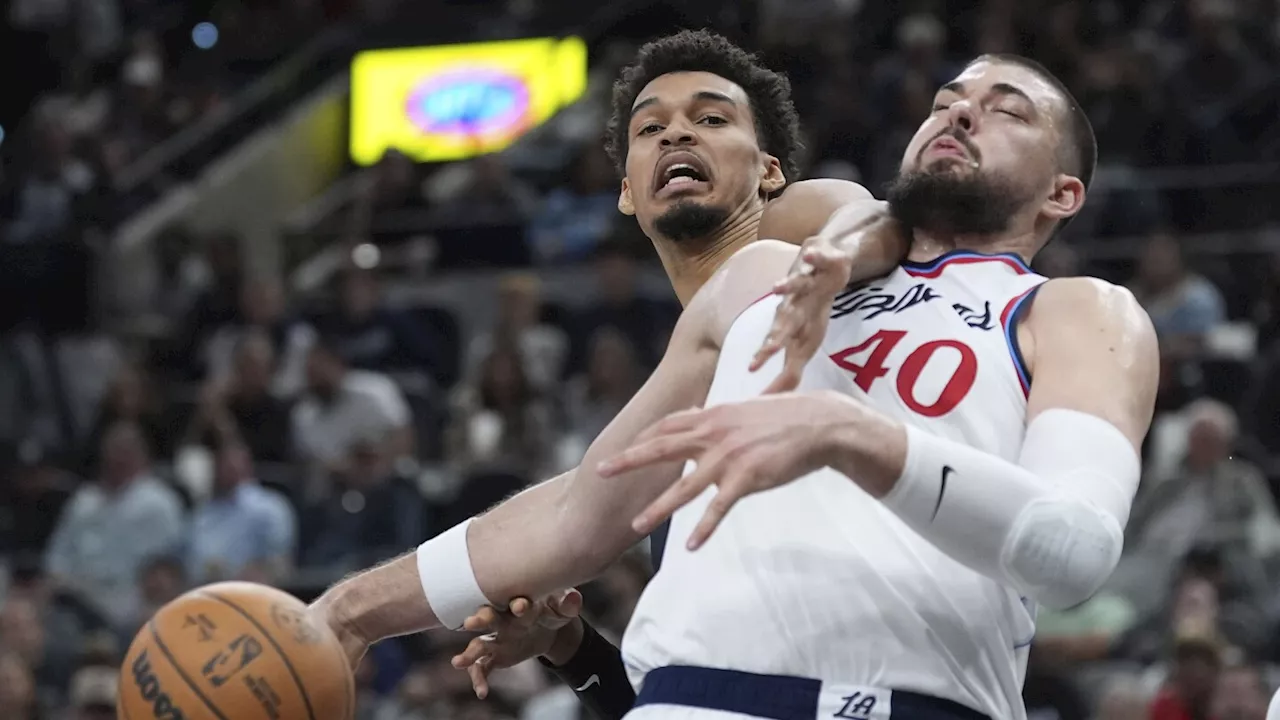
<point>867,446</point>
<point>568,640</point>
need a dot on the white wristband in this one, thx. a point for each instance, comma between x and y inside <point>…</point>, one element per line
<point>444,568</point>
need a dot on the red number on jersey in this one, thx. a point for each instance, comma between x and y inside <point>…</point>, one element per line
<point>883,342</point>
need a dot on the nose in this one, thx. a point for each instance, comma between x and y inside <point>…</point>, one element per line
<point>678,133</point>
<point>960,114</point>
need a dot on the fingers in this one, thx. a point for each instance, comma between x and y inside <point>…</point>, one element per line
<point>677,496</point>
<point>789,378</point>
<point>480,647</point>
<point>479,673</point>
<point>658,450</point>
<point>485,619</point>
<point>728,493</point>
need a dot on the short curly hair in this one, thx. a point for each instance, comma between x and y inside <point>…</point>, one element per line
<point>776,122</point>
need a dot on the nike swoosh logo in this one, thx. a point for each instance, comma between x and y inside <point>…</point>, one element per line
<point>942,490</point>
<point>593,680</point>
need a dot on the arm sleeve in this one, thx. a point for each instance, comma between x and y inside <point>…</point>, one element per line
<point>597,675</point>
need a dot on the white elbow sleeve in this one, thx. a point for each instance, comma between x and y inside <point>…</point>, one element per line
<point>1052,525</point>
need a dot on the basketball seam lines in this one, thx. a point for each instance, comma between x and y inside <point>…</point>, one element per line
<point>164,650</point>
<point>279,650</point>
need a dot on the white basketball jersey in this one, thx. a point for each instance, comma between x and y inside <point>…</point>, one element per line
<point>818,579</point>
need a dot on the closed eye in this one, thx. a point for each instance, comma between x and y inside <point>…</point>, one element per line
<point>939,108</point>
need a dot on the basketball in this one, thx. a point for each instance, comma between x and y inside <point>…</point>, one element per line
<point>235,651</point>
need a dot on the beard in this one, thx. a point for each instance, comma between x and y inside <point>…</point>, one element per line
<point>947,202</point>
<point>688,220</point>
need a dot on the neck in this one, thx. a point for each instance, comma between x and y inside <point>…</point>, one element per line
<point>926,245</point>
<point>690,269</point>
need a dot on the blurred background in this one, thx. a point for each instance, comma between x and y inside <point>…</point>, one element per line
<point>261,319</point>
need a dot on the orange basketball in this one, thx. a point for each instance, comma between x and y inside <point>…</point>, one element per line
<point>235,651</point>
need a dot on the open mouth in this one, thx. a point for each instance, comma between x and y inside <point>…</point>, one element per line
<point>680,171</point>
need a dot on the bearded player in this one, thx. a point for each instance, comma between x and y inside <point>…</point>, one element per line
<point>903,585</point>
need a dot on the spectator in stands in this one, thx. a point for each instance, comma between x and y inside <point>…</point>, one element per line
<point>343,406</point>
<point>22,632</point>
<point>93,693</point>
<point>54,639</point>
<point>370,513</point>
<point>576,217</point>
<point>130,397</point>
<point>1241,694</point>
<point>373,336</point>
<point>161,579</point>
<point>920,57</point>
<point>17,689</point>
<point>1188,691</point>
<point>543,346</point>
<point>647,322</point>
<point>33,496</point>
<point>1183,305</point>
<point>245,531</point>
<point>262,310</point>
<point>595,397</point>
<point>110,527</point>
<point>215,305</point>
<point>1212,497</point>
<point>502,421</point>
<point>393,185</point>
<point>482,188</point>
<point>1203,601</point>
<point>1124,698</point>
<point>1087,632</point>
<point>242,408</point>
<point>45,201</point>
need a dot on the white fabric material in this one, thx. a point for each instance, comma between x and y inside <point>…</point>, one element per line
<point>444,568</point>
<point>818,579</point>
<point>1273,710</point>
<point>1051,526</point>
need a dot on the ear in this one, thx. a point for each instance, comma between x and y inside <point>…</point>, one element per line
<point>771,177</point>
<point>1065,199</point>
<point>625,206</point>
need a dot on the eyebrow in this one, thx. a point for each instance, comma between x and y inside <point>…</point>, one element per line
<point>998,88</point>
<point>703,95</point>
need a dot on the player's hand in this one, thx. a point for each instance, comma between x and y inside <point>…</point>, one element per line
<point>824,267</point>
<point>527,629</point>
<point>742,448</point>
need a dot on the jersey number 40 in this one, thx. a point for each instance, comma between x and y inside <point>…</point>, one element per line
<point>877,348</point>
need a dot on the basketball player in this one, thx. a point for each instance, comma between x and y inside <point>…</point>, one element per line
<point>924,600</point>
<point>703,136</point>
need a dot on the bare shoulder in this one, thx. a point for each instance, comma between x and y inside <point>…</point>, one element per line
<point>1094,350</point>
<point>1089,301</point>
<point>745,278</point>
<point>804,207</point>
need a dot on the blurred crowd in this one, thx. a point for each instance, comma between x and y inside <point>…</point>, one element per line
<point>290,438</point>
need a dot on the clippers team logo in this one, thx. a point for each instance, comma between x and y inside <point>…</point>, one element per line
<point>469,101</point>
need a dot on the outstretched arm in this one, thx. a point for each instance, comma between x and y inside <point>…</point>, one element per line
<point>564,531</point>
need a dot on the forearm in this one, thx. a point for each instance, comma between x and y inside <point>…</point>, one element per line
<point>595,671</point>
<point>876,247</point>
<point>390,600</point>
<point>1050,525</point>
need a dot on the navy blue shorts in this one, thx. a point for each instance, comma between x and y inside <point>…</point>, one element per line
<point>784,697</point>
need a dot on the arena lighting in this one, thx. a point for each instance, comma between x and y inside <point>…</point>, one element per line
<point>452,102</point>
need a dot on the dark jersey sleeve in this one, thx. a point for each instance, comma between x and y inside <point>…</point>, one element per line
<point>597,676</point>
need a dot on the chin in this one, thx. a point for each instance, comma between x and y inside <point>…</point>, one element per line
<point>691,218</point>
